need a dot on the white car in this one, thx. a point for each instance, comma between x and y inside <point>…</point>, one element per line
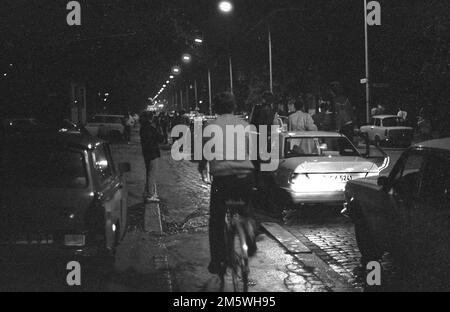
<point>388,129</point>
<point>106,126</point>
<point>314,168</point>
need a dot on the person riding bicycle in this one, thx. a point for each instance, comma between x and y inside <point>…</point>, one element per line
<point>232,180</point>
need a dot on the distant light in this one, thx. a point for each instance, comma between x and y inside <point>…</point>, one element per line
<point>171,77</point>
<point>106,94</point>
<point>200,102</point>
<point>198,40</point>
<point>187,58</point>
<point>11,65</point>
<point>164,86</point>
<point>226,6</point>
<point>176,70</point>
<point>168,81</point>
<point>5,74</point>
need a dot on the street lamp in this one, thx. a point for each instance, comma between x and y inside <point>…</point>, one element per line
<point>225,7</point>
<point>176,70</point>
<point>187,58</point>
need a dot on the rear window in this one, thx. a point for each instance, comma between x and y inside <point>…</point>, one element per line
<point>391,122</point>
<point>43,166</point>
<point>319,146</point>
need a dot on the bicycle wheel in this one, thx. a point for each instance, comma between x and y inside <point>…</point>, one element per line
<point>239,260</point>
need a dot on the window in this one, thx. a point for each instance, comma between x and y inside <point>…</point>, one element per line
<point>408,174</point>
<point>102,164</point>
<point>436,180</point>
<point>98,119</point>
<point>377,122</point>
<point>35,165</point>
<point>391,122</point>
<point>319,146</point>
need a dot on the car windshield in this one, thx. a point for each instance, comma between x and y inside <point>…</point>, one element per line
<point>43,166</point>
<point>391,122</point>
<point>319,146</point>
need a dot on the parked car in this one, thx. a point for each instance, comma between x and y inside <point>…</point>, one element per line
<point>407,213</point>
<point>388,129</point>
<point>314,168</point>
<point>62,195</point>
<point>107,126</point>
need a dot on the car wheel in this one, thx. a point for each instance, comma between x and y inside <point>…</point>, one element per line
<point>366,244</point>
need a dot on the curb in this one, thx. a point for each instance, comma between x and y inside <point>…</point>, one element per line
<point>153,226</point>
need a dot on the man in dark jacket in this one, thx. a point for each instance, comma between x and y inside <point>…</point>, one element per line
<point>150,140</point>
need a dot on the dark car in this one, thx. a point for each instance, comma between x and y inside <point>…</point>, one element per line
<point>62,196</point>
<point>408,214</point>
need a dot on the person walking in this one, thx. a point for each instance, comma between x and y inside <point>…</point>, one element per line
<point>151,137</point>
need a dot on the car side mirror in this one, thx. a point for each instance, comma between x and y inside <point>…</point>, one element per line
<point>383,182</point>
<point>124,168</point>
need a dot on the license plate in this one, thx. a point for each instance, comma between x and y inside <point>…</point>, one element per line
<point>340,177</point>
<point>74,240</point>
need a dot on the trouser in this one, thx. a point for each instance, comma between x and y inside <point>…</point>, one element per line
<point>151,167</point>
<point>222,189</point>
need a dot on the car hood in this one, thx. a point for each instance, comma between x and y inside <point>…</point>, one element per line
<point>329,165</point>
<point>31,210</point>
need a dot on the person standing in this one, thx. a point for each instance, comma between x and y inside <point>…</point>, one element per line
<point>150,140</point>
<point>402,114</point>
<point>301,121</point>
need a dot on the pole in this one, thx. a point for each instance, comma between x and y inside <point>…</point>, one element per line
<point>209,90</point>
<point>187,97</point>
<point>196,95</point>
<point>231,76</point>
<point>367,63</point>
<point>270,61</point>
<point>181,98</point>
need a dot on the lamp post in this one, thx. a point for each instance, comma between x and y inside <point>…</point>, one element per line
<point>367,80</point>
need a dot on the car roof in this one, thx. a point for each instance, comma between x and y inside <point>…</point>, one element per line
<point>312,134</point>
<point>443,144</point>
<point>69,139</point>
<point>385,116</point>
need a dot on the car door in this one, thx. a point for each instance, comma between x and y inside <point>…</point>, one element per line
<point>110,186</point>
<point>404,186</point>
<point>429,221</point>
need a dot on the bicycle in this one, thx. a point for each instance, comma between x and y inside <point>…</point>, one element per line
<point>236,248</point>
<point>236,260</point>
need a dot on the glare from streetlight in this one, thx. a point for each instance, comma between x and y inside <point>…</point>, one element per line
<point>187,58</point>
<point>176,70</point>
<point>225,6</point>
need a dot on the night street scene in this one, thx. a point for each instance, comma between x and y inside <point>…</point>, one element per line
<point>213,146</point>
